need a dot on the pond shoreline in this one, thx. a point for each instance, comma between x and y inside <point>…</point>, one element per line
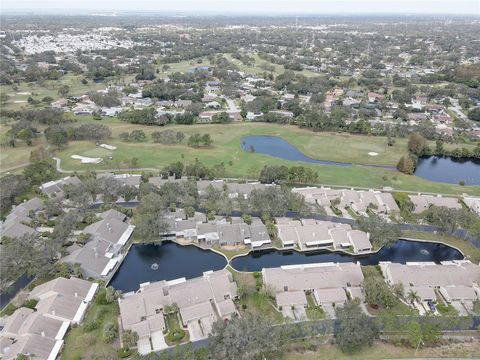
<point>303,157</point>
<point>194,263</point>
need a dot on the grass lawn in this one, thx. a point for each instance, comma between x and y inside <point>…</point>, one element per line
<point>82,344</point>
<point>18,98</point>
<point>176,334</point>
<point>227,149</point>
<point>471,252</point>
<point>257,68</point>
<point>314,312</point>
<point>182,66</point>
<point>253,301</point>
<point>381,350</point>
<point>446,310</point>
<point>231,253</point>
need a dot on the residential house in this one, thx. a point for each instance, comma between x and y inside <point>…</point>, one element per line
<point>310,234</point>
<point>457,282</point>
<point>327,282</point>
<point>54,189</point>
<point>40,333</point>
<point>201,301</point>
<point>99,256</point>
<point>423,202</point>
<point>17,223</point>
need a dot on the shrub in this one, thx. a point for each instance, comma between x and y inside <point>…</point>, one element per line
<point>30,304</point>
<point>9,309</point>
<point>176,335</point>
<point>90,326</point>
<point>110,331</point>
<point>124,352</point>
<point>101,297</point>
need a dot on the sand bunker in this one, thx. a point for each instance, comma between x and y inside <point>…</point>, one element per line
<point>87,160</point>
<point>373,153</point>
<point>19,101</point>
<point>23,93</point>
<point>108,147</point>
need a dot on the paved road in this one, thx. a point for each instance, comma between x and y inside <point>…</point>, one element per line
<point>11,168</point>
<point>60,170</point>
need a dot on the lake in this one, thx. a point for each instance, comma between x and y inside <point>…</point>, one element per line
<point>449,170</point>
<point>401,252</point>
<point>174,261</point>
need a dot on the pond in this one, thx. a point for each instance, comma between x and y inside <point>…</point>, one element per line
<point>449,170</point>
<point>401,252</point>
<point>280,148</point>
<point>172,261</point>
<point>168,261</point>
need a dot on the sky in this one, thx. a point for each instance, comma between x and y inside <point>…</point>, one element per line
<point>260,7</point>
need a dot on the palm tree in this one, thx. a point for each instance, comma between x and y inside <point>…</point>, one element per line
<point>413,296</point>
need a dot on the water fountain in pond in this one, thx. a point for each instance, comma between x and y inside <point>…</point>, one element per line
<point>154,266</point>
<point>424,252</point>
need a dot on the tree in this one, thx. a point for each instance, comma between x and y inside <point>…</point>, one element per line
<point>382,233</point>
<point>439,148</point>
<point>406,165</point>
<point>424,333</point>
<point>221,117</point>
<point>474,114</point>
<point>377,292</point>
<point>111,294</point>
<point>11,186</point>
<point>250,337</point>
<point>416,144</point>
<point>39,172</point>
<point>151,226</point>
<point>56,135</point>
<point>130,338</point>
<point>26,135</point>
<point>414,334</point>
<point>63,90</point>
<point>354,330</point>
<point>448,219</point>
<point>413,296</point>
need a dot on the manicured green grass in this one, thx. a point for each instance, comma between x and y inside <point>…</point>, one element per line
<point>176,334</point>
<point>82,344</point>
<point>314,312</point>
<point>447,310</point>
<point>471,252</point>
<point>226,148</point>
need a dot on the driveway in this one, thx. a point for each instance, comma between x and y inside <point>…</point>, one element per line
<point>300,313</point>
<point>329,310</point>
<point>144,346</point>
<point>158,341</point>
<point>460,308</point>
<point>199,329</point>
<point>287,312</point>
